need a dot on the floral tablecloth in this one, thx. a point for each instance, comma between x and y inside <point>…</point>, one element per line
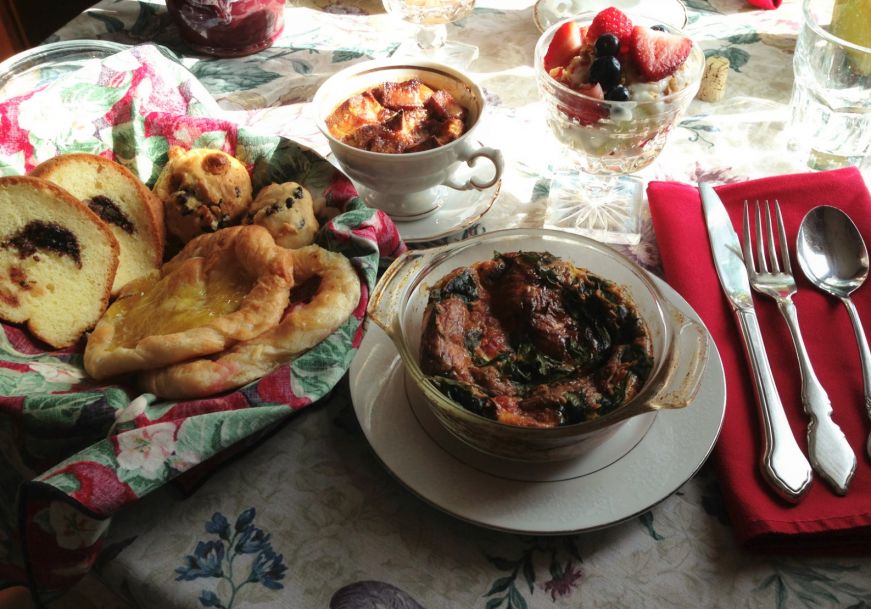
<point>310,518</point>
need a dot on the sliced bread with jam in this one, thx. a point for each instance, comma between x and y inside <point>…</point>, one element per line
<point>121,200</point>
<point>57,260</point>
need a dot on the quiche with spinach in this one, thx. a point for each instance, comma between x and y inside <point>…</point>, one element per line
<point>531,340</point>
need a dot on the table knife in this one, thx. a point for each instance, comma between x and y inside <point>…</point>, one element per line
<point>783,464</point>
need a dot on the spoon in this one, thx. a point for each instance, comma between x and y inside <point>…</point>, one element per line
<point>833,256</point>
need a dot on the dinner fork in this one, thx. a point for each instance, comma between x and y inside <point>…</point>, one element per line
<point>830,454</point>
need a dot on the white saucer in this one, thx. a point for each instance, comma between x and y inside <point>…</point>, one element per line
<point>644,462</point>
<point>671,12</point>
<point>458,213</point>
<point>457,218</point>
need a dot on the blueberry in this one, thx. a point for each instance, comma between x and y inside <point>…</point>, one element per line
<point>658,28</point>
<point>607,44</point>
<point>617,93</point>
<point>605,71</point>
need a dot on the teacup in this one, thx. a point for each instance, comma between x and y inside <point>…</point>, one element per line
<point>406,185</point>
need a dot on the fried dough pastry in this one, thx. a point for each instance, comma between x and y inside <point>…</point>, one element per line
<point>326,292</point>
<point>286,211</point>
<point>220,289</point>
<point>202,191</point>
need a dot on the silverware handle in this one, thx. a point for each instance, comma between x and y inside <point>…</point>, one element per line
<point>783,464</point>
<point>864,357</point>
<point>830,453</point>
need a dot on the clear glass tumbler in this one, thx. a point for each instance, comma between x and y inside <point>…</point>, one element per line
<point>831,96</point>
<point>592,192</point>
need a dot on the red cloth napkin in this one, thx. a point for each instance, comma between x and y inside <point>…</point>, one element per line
<point>765,4</point>
<point>763,521</point>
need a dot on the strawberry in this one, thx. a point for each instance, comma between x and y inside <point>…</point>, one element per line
<point>658,54</point>
<point>610,21</point>
<point>565,44</point>
<point>588,112</point>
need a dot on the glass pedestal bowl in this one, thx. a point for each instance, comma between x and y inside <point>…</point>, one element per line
<point>431,37</point>
<point>592,191</point>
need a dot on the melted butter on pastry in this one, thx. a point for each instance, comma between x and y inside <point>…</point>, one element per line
<point>326,292</point>
<point>222,288</point>
<point>167,306</point>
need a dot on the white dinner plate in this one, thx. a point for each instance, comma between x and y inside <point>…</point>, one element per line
<point>671,12</point>
<point>645,461</point>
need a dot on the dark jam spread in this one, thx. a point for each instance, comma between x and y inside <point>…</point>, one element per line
<point>38,235</point>
<point>110,213</point>
<point>531,340</point>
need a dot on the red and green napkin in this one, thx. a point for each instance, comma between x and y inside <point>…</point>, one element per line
<point>76,451</point>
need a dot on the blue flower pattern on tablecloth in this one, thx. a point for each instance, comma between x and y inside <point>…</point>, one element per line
<point>215,558</point>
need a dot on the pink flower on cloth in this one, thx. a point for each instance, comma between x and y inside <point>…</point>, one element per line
<point>563,584</point>
<point>59,373</point>
<point>147,450</point>
<point>72,529</point>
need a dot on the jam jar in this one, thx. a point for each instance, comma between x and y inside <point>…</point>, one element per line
<point>228,28</point>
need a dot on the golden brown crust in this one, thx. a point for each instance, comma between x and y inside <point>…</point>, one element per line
<point>59,323</point>
<point>153,205</point>
<point>220,289</point>
<point>303,326</point>
<point>202,190</point>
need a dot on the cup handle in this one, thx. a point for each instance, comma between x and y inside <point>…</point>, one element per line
<point>493,155</point>
<point>686,375</point>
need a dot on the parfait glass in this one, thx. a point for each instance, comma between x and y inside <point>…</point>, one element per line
<point>431,39</point>
<point>592,191</point>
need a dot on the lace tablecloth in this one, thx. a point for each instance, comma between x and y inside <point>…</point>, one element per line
<point>310,518</point>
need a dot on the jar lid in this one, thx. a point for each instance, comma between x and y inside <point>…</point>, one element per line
<point>40,65</point>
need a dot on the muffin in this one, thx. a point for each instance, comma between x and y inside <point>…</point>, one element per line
<point>287,212</point>
<point>202,190</point>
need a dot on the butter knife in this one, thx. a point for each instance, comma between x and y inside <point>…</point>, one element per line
<point>783,464</point>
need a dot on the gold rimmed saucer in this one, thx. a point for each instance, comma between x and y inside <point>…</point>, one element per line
<point>458,214</point>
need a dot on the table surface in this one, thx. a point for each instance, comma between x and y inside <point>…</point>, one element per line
<point>345,533</point>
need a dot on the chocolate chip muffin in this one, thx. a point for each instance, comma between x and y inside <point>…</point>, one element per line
<point>287,212</point>
<point>202,190</point>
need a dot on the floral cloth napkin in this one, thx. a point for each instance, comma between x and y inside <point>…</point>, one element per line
<point>74,451</point>
<point>823,520</point>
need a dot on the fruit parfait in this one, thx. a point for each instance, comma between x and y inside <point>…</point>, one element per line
<point>613,87</point>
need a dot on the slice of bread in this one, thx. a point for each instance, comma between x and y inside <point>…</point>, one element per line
<point>57,260</point>
<point>121,200</point>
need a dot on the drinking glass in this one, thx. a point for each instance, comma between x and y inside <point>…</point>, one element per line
<point>831,97</point>
<point>431,17</point>
<point>228,28</point>
<point>592,192</point>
